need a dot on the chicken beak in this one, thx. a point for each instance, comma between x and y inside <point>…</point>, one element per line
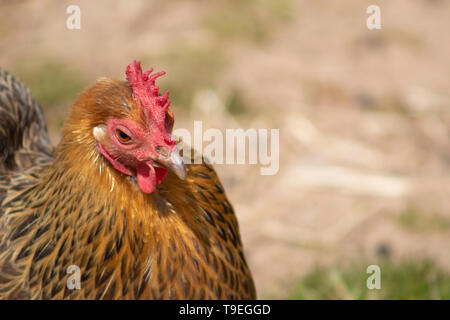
<point>173,162</point>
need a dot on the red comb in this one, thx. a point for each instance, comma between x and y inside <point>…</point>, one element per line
<point>145,93</point>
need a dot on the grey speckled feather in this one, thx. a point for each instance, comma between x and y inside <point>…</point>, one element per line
<point>24,140</point>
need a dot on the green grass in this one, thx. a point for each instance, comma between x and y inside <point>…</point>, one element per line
<point>235,103</point>
<point>414,219</point>
<point>252,20</point>
<point>51,82</point>
<point>406,280</point>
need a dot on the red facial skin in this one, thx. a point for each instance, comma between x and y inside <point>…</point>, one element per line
<point>135,156</point>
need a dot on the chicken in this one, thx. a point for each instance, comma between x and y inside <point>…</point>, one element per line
<point>114,199</point>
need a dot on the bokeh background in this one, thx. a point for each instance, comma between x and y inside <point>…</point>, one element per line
<point>363,116</point>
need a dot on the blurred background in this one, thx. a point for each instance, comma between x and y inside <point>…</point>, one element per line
<point>363,115</point>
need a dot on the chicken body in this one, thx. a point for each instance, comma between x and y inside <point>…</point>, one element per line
<point>69,206</point>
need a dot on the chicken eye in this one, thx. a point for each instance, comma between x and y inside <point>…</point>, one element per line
<point>123,137</point>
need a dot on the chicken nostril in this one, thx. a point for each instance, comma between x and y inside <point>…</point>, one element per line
<point>162,151</point>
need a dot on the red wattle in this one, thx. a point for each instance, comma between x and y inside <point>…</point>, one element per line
<point>146,177</point>
<point>161,173</point>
